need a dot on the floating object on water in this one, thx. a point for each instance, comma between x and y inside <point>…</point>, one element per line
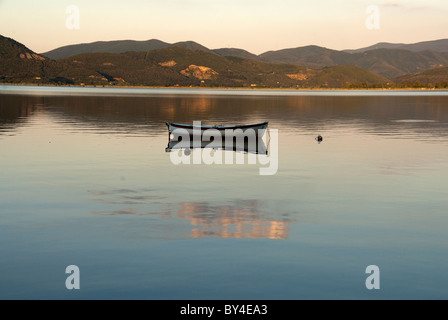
<point>249,138</point>
<point>259,128</point>
<point>319,138</point>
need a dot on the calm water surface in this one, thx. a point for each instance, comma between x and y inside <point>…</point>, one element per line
<point>85,181</point>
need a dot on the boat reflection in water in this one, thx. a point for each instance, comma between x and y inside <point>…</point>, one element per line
<point>258,146</point>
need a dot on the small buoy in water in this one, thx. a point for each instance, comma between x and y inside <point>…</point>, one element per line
<point>319,138</point>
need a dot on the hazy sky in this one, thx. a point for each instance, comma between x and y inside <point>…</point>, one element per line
<point>256,26</point>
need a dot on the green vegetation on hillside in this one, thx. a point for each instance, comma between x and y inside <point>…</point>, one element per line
<point>389,63</point>
<point>436,78</point>
<point>173,66</point>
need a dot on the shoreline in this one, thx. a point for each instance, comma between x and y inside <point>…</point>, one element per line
<point>66,90</point>
<point>204,87</point>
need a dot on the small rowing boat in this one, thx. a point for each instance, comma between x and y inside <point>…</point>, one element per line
<point>193,129</point>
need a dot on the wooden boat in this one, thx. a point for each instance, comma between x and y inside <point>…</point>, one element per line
<point>258,128</point>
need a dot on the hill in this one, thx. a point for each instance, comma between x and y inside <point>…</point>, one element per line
<point>20,64</point>
<point>388,63</point>
<point>171,66</point>
<point>345,77</point>
<point>175,66</point>
<point>392,63</point>
<point>311,56</point>
<point>379,45</point>
<point>118,47</point>
<point>388,60</point>
<point>433,78</point>
<point>9,48</point>
<point>235,52</point>
<point>434,45</point>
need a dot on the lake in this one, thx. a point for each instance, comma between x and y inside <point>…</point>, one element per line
<point>86,180</point>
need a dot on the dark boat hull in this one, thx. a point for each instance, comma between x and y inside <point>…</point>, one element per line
<point>258,129</point>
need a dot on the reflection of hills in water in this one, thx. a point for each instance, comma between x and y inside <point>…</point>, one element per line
<point>425,115</point>
<point>14,112</point>
<point>239,219</point>
<point>243,219</point>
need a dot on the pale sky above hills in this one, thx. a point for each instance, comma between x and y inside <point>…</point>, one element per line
<point>256,26</point>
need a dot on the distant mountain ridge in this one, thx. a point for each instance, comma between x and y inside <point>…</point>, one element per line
<point>235,52</point>
<point>118,46</point>
<point>433,45</point>
<point>385,59</point>
<point>191,64</point>
<point>174,66</point>
<point>389,63</point>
